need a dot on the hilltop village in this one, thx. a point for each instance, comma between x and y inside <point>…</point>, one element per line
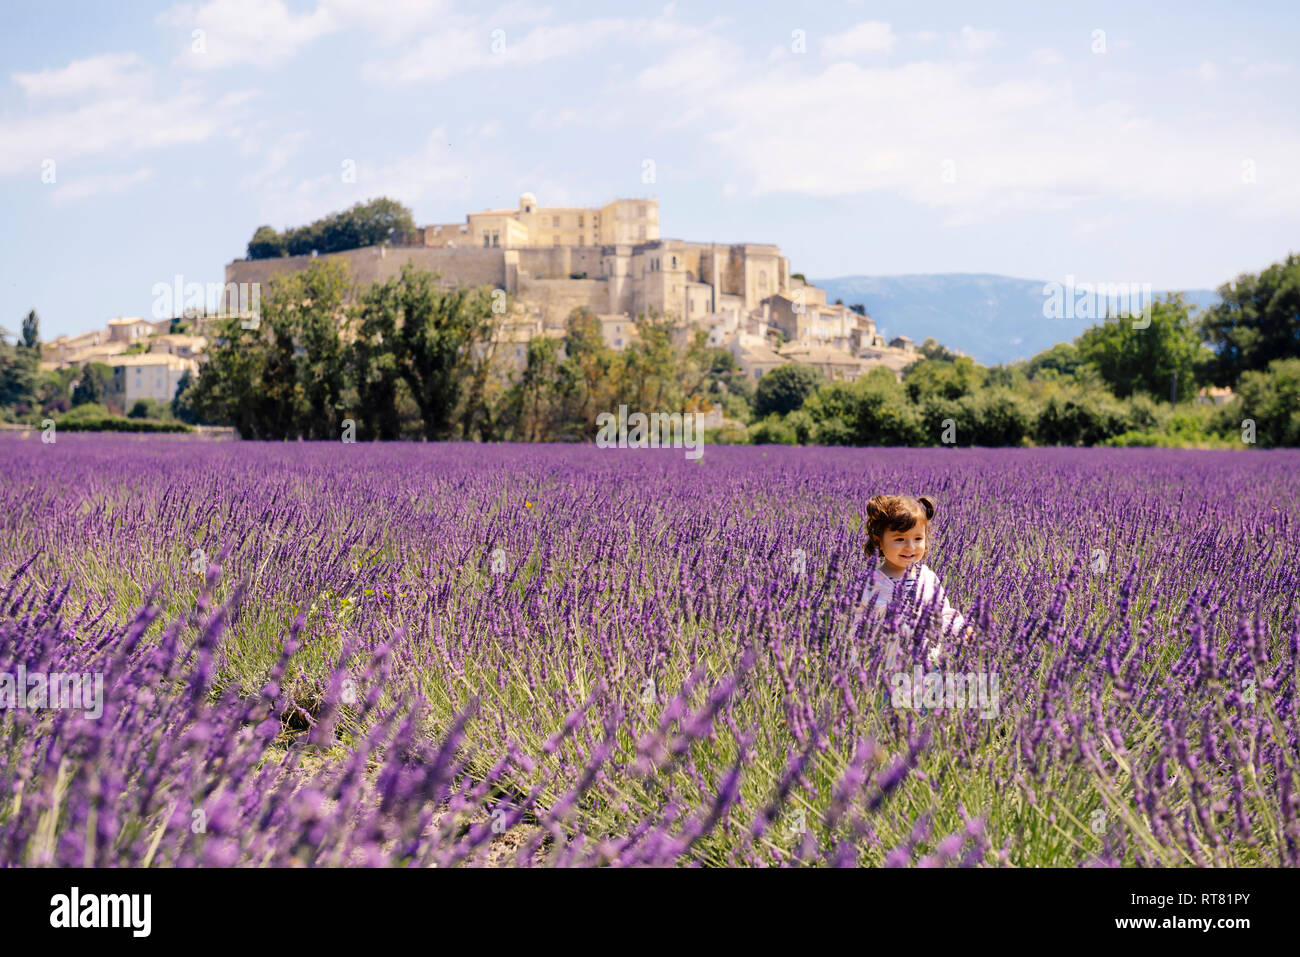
<point>551,260</point>
<point>612,261</point>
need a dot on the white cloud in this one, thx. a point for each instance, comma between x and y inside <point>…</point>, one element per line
<point>81,187</point>
<point>461,45</point>
<point>284,148</point>
<point>871,36</point>
<point>976,41</point>
<point>263,33</point>
<point>266,32</point>
<point>236,98</point>
<point>435,171</point>
<point>1046,57</point>
<point>1207,71</point>
<point>119,125</point>
<point>116,108</point>
<point>550,120</point>
<point>1266,68</point>
<point>118,73</point>
<point>1028,145</point>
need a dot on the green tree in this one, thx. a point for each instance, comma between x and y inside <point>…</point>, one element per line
<point>375,372</point>
<point>532,403</point>
<point>931,348</point>
<point>228,389</point>
<point>998,416</point>
<point>786,388</point>
<point>182,404</point>
<point>32,333</point>
<point>1256,322</point>
<point>95,384</point>
<point>587,382</point>
<point>1078,416</point>
<point>149,409</point>
<point>1271,399</point>
<point>435,333</point>
<point>871,410</point>
<point>1060,361</point>
<point>286,377</point>
<point>266,244</point>
<point>772,430</point>
<point>1166,353</point>
<point>364,224</point>
<point>946,379</point>
<point>19,371</point>
<point>648,374</point>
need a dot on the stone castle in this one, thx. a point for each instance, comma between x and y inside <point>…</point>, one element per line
<point>612,261</point>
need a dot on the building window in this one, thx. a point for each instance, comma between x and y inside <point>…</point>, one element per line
<point>487,240</point>
<point>555,222</point>
<point>580,220</point>
<point>494,240</point>
<point>674,262</point>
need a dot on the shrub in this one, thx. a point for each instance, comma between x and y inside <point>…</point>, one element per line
<point>802,425</point>
<point>1271,398</point>
<point>115,423</point>
<point>1077,416</point>
<point>149,409</point>
<point>772,430</point>
<point>785,389</point>
<point>726,435</point>
<point>1143,414</point>
<point>998,417</point>
<point>832,431</point>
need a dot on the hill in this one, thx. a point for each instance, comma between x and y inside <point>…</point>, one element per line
<point>992,318</point>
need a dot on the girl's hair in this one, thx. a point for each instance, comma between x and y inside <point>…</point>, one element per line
<point>895,513</point>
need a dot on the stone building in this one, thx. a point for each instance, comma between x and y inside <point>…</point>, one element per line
<point>610,260</point>
<point>152,375</point>
<point>621,222</point>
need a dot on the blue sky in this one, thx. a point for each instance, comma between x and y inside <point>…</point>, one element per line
<point>1107,143</point>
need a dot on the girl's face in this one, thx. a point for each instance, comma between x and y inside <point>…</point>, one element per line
<point>903,549</point>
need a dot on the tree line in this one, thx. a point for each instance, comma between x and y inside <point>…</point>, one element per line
<point>364,224</point>
<point>407,359</point>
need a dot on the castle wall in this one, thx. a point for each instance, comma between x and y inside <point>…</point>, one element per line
<point>559,297</point>
<point>621,279</point>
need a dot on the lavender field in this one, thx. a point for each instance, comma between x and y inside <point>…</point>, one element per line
<point>330,654</point>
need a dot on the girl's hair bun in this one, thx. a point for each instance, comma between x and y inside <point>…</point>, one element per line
<point>928,504</point>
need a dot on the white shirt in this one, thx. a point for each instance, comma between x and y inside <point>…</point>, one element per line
<point>918,588</point>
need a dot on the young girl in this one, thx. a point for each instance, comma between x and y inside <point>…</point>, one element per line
<point>898,530</point>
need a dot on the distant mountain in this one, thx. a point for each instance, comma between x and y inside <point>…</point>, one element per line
<point>992,318</point>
